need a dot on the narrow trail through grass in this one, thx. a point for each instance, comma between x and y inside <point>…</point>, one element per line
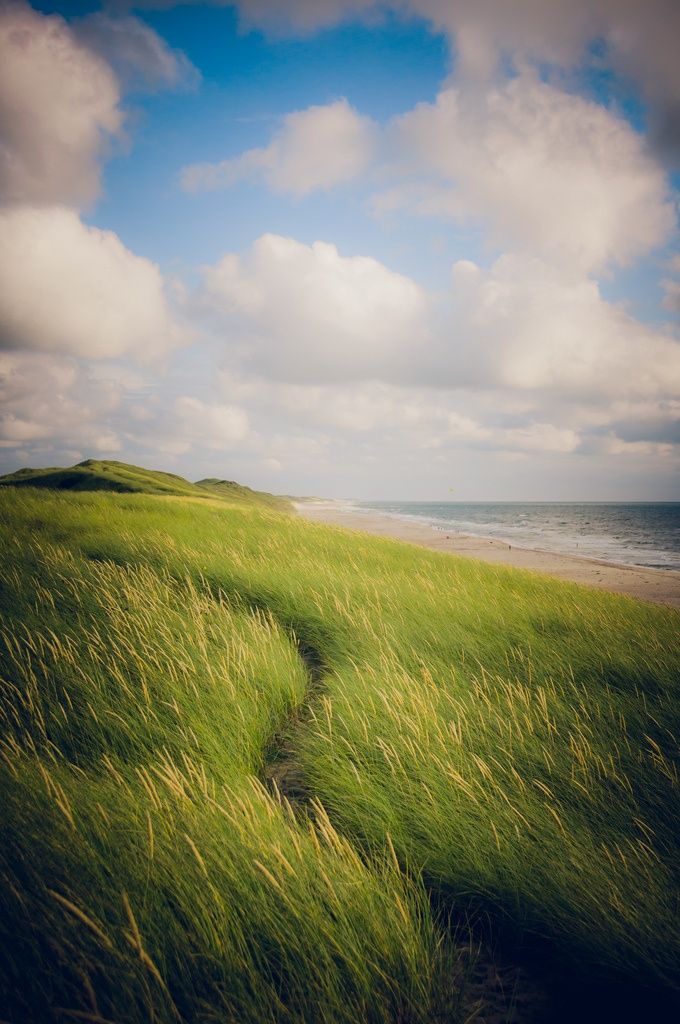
<point>496,990</point>
<point>282,768</point>
<point>512,977</point>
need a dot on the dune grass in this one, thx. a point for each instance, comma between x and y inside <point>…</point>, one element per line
<point>147,873</point>
<point>493,741</point>
<point>109,475</point>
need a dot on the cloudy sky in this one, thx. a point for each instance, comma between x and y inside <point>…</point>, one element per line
<point>345,247</point>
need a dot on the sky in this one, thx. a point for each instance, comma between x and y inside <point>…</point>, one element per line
<point>400,249</point>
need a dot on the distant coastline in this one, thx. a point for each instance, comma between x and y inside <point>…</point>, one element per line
<point>660,586</point>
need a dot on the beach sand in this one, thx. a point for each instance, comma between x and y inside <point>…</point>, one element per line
<point>660,586</point>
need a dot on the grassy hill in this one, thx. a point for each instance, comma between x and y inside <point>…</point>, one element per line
<point>109,475</point>
<point>255,769</point>
<point>238,492</point>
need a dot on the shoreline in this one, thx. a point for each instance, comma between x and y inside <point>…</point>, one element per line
<point>659,586</point>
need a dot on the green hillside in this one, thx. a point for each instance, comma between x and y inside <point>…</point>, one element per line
<point>238,492</point>
<point>254,769</point>
<point>109,475</point>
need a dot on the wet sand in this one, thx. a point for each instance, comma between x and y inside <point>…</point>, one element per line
<point>660,586</point>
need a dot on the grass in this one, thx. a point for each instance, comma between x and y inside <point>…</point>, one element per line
<point>109,475</point>
<point>473,742</point>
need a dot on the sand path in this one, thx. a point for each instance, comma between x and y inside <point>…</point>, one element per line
<point>661,586</point>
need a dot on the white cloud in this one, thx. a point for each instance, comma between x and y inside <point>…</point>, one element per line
<point>523,324</point>
<point>402,416</point>
<point>463,427</point>
<point>55,403</point>
<point>636,39</point>
<point>639,39</point>
<point>317,148</point>
<point>66,287</point>
<point>47,399</point>
<point>210,425</point>
<point>356,408</point>
<point>307,315</point>
<point>311,314</point>
<point>58,110</point>
<point>138,54</point>
<point>483,32</point>
<point>546,171</point>
<point>522,358</point>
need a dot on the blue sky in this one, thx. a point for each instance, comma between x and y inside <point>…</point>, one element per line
<point>345,248</point>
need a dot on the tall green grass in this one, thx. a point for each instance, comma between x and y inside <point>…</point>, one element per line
<point>147,873</point>
<point>502,741</point>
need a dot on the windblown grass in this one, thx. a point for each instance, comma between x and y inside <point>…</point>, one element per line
<point>147,873</point>
<point>504,740</point>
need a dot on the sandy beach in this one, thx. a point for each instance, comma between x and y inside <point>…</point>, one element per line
<point>660,586</point>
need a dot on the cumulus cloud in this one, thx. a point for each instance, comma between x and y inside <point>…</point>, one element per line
<point>547,171</point>
<point>307,315</point>
<point>60,93</point>
<point>403,414</point>
<point>69,288</point>
<point>211,425</point>
<point>60,404</point>
<point>316,148</point>
<point>58,110</point>
<point>638,40</point>
<point>65,287</point>
<point>389,419</point>
<point>638,37</point>
<point>522,324</point>
<point>482,33</point>
<point>642,43</point>
<point>311,314</point>
<point>48,399</point>
<point>140,57</point>
<point>355,408</point>
<point>519,358</point>
<point>519,362</point>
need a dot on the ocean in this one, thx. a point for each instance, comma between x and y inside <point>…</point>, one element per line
<point>635,533</point>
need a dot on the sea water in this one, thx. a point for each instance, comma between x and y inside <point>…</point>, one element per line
<point>636,533</point>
